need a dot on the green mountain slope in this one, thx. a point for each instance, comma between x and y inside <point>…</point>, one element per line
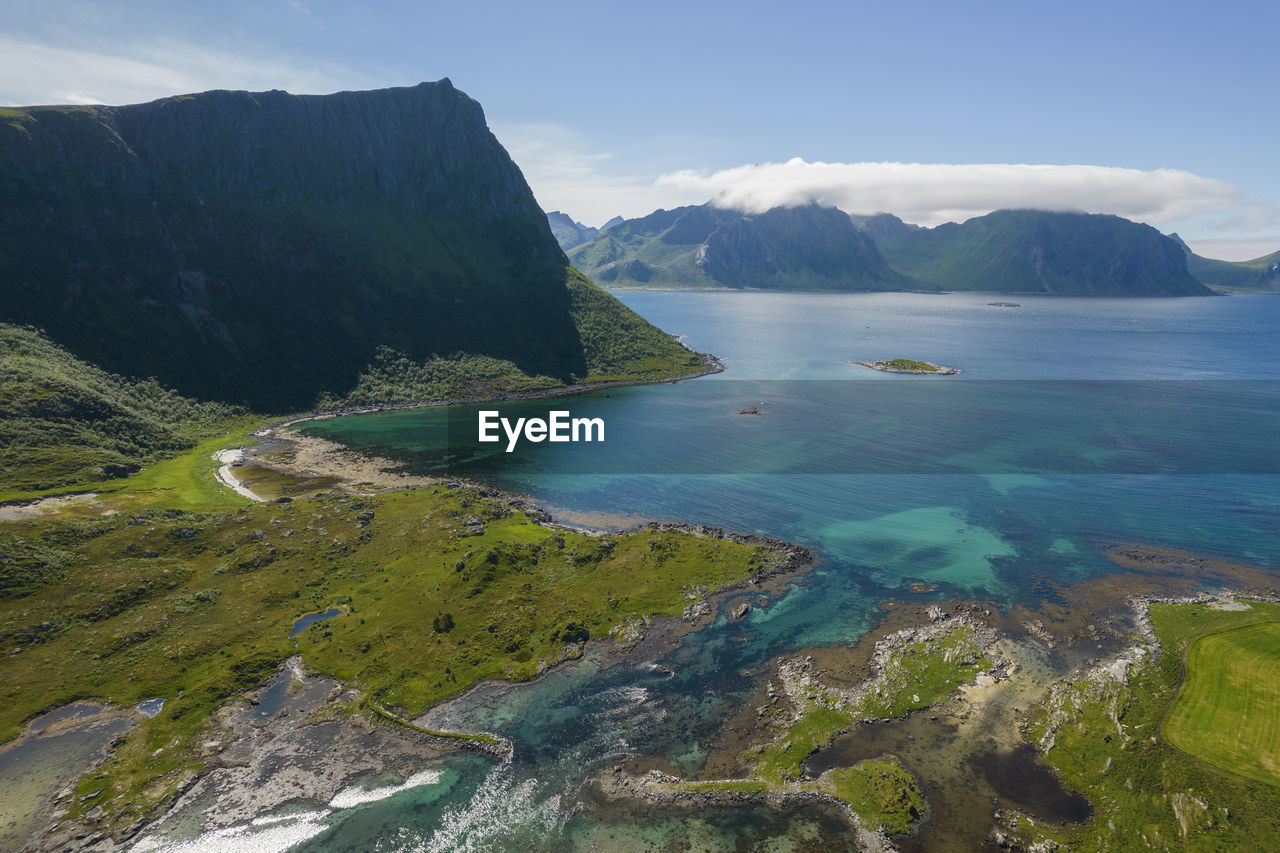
<point>618,346</point>
<point>1260,274</point>
<point>1036,251</point>
<point>64,422</point>
<point>815,248</point>
<point>798,248</point>
<point>262,247</point>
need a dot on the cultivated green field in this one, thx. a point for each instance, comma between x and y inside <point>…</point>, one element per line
<point>1150,753</point>
<point>1228,711</point>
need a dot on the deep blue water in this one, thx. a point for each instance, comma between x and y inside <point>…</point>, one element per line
<point>1157,429</point>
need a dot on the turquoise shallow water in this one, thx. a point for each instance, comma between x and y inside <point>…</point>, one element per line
<point>1165,416</point>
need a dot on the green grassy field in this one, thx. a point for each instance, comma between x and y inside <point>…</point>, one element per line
<point>881,791</point>
<point>1109,740</point>
<point>1228,711</point>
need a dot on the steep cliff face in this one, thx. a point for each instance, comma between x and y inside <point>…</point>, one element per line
<point>259,247</point>
<point>1037,251</point>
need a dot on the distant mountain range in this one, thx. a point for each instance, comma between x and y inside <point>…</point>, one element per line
<point>569,233</point>
<point>796,248</point>
<point>1035,251</point>
<point>1260,274</point>
<point>264,248</point>
<point>821,248</point>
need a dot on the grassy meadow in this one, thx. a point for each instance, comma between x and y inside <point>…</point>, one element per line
<point>1165,764</point>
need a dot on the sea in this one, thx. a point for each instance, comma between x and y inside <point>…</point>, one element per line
<point>1074,424</point>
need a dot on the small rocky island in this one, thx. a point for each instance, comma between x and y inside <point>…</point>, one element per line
<point>907,365</point>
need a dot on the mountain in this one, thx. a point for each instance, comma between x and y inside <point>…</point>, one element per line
<point>1037,251</point>
<point>1259,274</point>
<point>263,248</point>
<point>786,248</point>
<point>570,233</point>
<point>821,248</point>
<point>883,226</point>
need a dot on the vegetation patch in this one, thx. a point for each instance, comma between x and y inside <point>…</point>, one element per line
<point>65,423</point>
<point>881,791</point>
<point>923,672</point>
<point>907,365</point>
<point>1102,731</point>
<point>195,606</point>
<point>916,669</point>
<point>1226,712</point>
<point>618,346</point>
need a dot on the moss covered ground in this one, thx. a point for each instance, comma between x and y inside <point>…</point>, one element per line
<point>881,791</point>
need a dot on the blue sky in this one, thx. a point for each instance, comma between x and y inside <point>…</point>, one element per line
<point>622,109</point>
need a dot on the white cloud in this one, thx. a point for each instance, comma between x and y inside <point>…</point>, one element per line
<point>1236,248</point>
<point>32,73</point>
<point>566,174</point>
<point>933,193</point>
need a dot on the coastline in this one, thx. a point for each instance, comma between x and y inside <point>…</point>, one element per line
<point>1021,641</point>
<point>1102,632</point>
<point>350,719</point>
<point>704,608</point>
<point>313,460</point>
<point>710,365</point>
<point>227,459</point>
